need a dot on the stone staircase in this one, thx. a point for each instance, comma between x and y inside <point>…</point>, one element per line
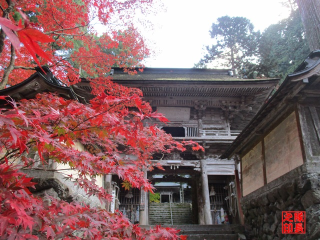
<point>159,213</point>
<point>210,232</point>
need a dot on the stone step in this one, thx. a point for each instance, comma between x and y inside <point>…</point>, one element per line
<point>159,213</point>
<point>213,237</point>
<point>228,227</point>
<point>219,231</point>
<point>209,232</point>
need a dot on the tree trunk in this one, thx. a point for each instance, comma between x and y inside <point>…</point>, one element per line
<point>233,67</point>
<point>5,14</point>
<point>9,69</point>
<point>310,16</point>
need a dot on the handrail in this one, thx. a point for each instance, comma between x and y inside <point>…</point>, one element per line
<point>219,133</point>
<point>170,200</point>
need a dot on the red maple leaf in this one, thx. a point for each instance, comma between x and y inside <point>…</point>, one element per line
<point>28,36</point>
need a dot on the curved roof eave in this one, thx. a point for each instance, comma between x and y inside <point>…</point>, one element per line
<point>312,67</point>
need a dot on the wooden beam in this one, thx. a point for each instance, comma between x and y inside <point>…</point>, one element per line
<point>174,172</point>
<point>299,126</point>
<point>264,169</point>
<point>315,120</point>
<point>241,218</point>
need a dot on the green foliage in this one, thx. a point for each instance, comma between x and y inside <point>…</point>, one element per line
<point>16,16</point>
<point>282,47</point>
<point>154,197</point>
<point>275,53</point>
<point>236,43</point>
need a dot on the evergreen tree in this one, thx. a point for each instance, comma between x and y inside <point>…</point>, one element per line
<point>282,47</point>
<point>236,43</point>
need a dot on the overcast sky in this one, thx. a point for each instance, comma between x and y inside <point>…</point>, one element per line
<point>181,32</point>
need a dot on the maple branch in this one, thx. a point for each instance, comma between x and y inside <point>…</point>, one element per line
<point>78,57</point>
<point>30,164</point>
<point>84,129</point>
<point>51,170</point>
<point>73,129</point>
<point>65,29</point>
<point>8,154</point>
<point>72,35</point>
<point>8,69</point>
<point>25,68</point>
<point>57,123</point>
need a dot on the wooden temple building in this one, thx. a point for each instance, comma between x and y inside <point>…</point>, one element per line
<point>279,151</point>
<point>208,106</point>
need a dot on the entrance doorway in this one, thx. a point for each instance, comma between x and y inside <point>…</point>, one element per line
<point>174,203</point>
<point>223,199</point>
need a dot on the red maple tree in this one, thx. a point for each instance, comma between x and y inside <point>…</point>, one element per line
<point>51,126</point>
<point>67,36</point>
<point>60,34</point>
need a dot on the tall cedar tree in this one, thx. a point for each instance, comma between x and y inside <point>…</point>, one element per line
<point>235,43</point>
<point>51,126</point>
<point>310,16</point>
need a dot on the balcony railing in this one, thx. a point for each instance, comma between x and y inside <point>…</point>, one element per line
<point>195,133</point>
<point>226,133</point>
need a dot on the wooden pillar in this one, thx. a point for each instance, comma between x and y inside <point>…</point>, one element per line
<point>239,194</point>
<point>144,206</point>
<point>228,129</point>
<point>200,202</point>
<point>200,127</point>
<point>194,195</point>
<point>205,193</point>
<point>108,188</point>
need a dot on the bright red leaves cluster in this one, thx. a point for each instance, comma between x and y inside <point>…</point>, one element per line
<point>70,43</point>
<point>28,36</point>
<point>51,126</point>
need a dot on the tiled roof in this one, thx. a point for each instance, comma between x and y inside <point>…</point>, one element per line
<point>178,74</point>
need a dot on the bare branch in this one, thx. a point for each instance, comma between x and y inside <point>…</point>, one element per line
<point>13,152</point>
<point>50,170</point>
<point>72,35</point>
<point>25,68</point>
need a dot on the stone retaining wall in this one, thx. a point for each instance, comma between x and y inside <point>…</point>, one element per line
<point>298,190</point>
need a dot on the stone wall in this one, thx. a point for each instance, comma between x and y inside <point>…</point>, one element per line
<point>55,183</point>
<point>298,190</point>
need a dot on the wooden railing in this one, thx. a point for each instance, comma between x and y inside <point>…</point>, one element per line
<point>220,133</point>
<point>191,131</point>
<point>194,132</point>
